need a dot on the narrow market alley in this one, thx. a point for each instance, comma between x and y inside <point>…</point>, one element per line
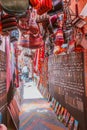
<point>36,113</point>
<point>43,64</point>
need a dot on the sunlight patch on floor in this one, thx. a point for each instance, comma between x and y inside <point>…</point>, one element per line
<point>31,92</point>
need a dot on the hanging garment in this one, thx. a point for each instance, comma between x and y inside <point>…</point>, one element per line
<point>33,42</point>
<point>57,7</point>
<point>58,50</point>
<point>35,61</point>
<point>33,27</point>
<point>45,6</point>
<point>8,65</point>
<point>71,46</point>
<point>35,3</point>
<point>17,7</point>
<point>14,35</point>
<point>8,23</point>
<point>59,39</point>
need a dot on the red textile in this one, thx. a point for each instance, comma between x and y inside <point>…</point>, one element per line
<point>8,64</point>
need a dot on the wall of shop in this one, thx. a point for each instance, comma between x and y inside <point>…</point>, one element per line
<point>67,84</point>
<point>3,94</point>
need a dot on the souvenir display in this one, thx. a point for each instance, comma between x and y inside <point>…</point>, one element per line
<point>60,115</point>
<point>9,23</point>
<point>59,39</point>
<point>51,104</point>
<point>56,107</point>
<point>76,125</point>
<point>67,118</point>
<point>71,123</point>
<point>35,3</point>
<point>49,97</point>
<point>45,6</point>
<point>78,22</point>
<point>57,7</point>
<point>35,41</point>
<point>14,35</point>
<point>64,115</point>
<point>32,42</point>
<point>3,94</point>
<point>54,103</point>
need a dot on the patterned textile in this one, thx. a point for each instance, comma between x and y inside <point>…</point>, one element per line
<point>36,114</point>
<point>8,65</point>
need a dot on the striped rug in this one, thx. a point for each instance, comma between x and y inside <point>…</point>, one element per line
<point>36,114</point>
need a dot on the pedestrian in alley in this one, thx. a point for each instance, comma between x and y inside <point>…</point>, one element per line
<point>25,72</point>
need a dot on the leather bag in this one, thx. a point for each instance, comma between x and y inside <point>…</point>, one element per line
<point>17,7</point>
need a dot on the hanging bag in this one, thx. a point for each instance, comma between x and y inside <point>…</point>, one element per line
<point>59,39</point>
<point>17,7</point>
<point>32,42</point>
<point>35,42</point>
<point>35,3</point>
<point>45,6</point>
<point>8,23</point>
<point>57,7</point>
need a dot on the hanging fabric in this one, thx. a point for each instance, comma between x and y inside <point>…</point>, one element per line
<point>58,50</point>
<point>23,22</point>
<point>15,7</point>
<point>14,35</point>
<point>59,39</point>
<point>32,42</point>
<point>35,61</point>
<point>45,6</point>
<point>35,3</point>
<point>9,23</point>
<point>8,65</point>
<point>71,46</point>
<point>33,27</point>
<point>35,41</point>
<point>57,7</point>
<point>16,68</point>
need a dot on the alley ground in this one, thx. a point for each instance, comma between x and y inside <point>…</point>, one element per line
<point>36,113</point>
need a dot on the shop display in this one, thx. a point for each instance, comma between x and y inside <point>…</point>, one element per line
<point>54,103</point>
<point>66,83</point>
<point>71,123</point>
<point>45,6</point>
<point>15,7</point>
<point>76,125</point>
<point>64,115</point>
<point>59,117</point>
<point>51,104</point>
<point>56,107</point>
<point>3,94</point>
<point>57,7</point>
<point>67,118</point>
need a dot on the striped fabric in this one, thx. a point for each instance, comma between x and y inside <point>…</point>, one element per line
<point>37,114</point>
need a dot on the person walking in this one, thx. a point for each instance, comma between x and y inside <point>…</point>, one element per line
<point>25,72</point>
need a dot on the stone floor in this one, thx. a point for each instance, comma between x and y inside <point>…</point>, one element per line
<point>36,113</point>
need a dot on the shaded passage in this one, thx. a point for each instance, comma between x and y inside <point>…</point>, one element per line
<point>36,113</point>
